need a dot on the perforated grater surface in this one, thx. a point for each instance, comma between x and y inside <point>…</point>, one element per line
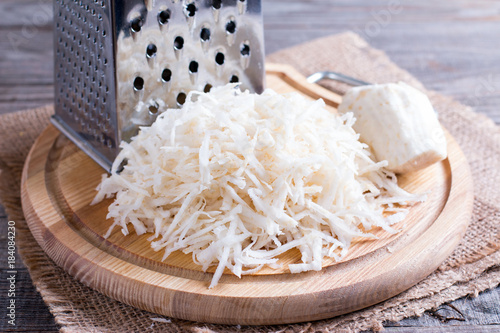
<point>119,63</point>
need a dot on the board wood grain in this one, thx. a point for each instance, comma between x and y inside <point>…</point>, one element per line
<point>59,183</point>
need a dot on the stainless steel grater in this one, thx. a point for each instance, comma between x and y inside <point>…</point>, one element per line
<point>119,63</point>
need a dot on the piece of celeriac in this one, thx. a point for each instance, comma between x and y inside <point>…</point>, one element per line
<point>399,123</point>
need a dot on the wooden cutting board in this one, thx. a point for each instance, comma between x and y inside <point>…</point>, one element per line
<point>59,183</point>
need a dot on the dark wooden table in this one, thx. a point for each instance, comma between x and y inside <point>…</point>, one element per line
<point>452,46</point>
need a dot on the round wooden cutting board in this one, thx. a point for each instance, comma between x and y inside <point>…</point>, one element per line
<point>59,183</point>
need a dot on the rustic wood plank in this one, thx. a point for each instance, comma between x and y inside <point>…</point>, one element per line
<point>445,329</point>
<point>32,14</point>
<point>20,97</point>
<point>481,310</point>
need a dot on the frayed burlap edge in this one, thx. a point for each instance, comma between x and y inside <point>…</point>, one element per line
<point>473,267</point>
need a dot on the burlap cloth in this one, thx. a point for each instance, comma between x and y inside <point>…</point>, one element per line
<point>473,267</point>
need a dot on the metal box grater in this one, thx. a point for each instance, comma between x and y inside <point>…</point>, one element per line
<point>119,63</point>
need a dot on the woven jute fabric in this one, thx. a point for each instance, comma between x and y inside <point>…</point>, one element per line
<point>473,267</point>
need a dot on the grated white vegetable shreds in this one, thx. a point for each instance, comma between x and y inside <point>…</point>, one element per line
<point>237,179</point>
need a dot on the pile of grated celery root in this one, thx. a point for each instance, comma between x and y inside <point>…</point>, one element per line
<point>236,179</point>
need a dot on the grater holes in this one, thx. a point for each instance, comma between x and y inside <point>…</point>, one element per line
<point>151,50</point>
<point>231,27</point>
<point>193,67</point>
<point>178,43</point>
<point>164,16</point>
<point>190,9</point>
<point>245,50</point>
<point>138,83</point>
<point>166,75</point>
<point>216,4</point>
<point>205,34</point>
<point>234,79</point>
<point>136,24</point>
<point>122,165</point>
<point>153,109</point>
<point>181,99</point>
<point>219,58</point>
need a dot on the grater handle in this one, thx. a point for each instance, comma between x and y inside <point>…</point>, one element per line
<point>339,77</point>
<point>318,76</point>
